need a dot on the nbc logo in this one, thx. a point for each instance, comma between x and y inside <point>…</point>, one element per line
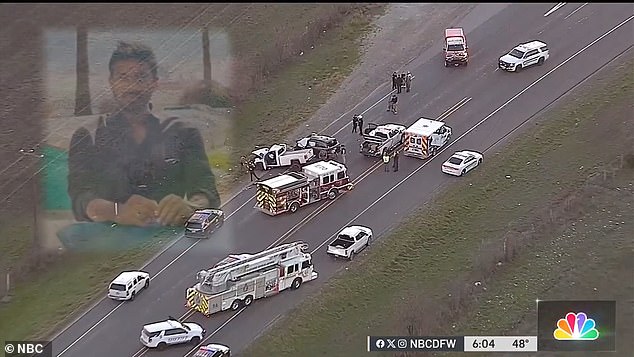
<point>576,327</point>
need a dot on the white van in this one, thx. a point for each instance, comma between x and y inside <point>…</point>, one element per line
<point>425,137</point>
<point>128,284</point>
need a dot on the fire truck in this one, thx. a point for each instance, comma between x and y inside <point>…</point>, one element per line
<point>288,192</point>
<point>255,276</point>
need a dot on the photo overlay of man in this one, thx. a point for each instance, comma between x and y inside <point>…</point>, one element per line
<point>139,168</point>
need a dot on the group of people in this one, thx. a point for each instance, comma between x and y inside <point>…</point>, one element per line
<point>357,123</point>
<point>398,81</point>
<point>249,166</point>
<point>387,156</point>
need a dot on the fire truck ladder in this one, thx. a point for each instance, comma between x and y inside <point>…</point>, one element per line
<point>218,277</point>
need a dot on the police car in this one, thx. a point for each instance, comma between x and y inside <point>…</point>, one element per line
<point>203,223</point>
<point>524,55</point>
<point>462,162</point>
<point>213,350</point>
<point>171,332</point>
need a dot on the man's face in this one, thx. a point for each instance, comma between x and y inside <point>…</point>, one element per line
<point>132,84</point>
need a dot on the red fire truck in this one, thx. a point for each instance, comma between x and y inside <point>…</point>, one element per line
<point>290,191</point>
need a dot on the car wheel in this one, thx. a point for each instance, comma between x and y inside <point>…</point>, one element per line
<point>132,296</point>
<point>161,345</point>
<point>540,61</point>
<point>296,283</point>
<point>446,64</point>
<point>147,283</point>
<point>195,340</point>
<point>248,300</point>
<point>518,68</point>
<point>479,161</point>
<point>463,172</point>
<point>294,207</point>
<point>332,194</point>
<point>351,257</point>
<point>235,305</point>
<point>322,155</point>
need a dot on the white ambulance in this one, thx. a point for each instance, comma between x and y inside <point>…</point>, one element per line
<point>425,137</point>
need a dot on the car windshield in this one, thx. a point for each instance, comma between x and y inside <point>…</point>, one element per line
<point>455,160</point>
<point>194,225</point>
<point>455,47</point>
<point>345,237</point>
<point>517,53</point>
<point>118,287</point>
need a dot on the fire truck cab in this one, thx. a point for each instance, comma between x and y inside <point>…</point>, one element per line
<point>456,49</point>
<point>289,192</point>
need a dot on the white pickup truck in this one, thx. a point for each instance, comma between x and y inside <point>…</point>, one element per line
<point>378,138</point>
<point>350,241</point>
<point>279,155</point>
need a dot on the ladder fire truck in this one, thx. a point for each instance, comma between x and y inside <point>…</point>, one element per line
<point>289,192</point>
<point>237,284</point>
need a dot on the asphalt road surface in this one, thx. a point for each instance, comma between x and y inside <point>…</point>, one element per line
<point>481,104</point>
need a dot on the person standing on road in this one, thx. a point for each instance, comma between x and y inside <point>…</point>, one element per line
<point>394,75</point>
<point>386,161</point>
<point>360,124</point>
<point>251,166</point>
<point>354,123</point>
<point>408,81</point>
<point>395,167</point>
<point>399,83</point>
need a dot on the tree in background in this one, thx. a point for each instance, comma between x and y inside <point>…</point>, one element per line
<point>82,68</point>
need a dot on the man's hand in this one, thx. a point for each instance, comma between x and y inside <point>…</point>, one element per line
<point>137,211</point>
<point>173,210</point>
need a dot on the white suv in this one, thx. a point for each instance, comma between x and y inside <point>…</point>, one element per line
<point>128,284</point>
<point>524,55</point>
<point>171,332</point>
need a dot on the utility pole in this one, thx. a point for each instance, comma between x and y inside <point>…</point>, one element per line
<point>36,201</point>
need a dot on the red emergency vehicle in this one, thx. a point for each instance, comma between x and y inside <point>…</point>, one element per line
<point>290,191</point>
<point>456,49</point>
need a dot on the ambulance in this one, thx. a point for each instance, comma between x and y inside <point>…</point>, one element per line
<point>425,137</point>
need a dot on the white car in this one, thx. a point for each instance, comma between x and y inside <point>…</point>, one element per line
<point>524,55</point>
<point>462,162</point>
<point>171,332</point>
<point>213,350</point>
<point>350,241</point>
<point>128,284</point>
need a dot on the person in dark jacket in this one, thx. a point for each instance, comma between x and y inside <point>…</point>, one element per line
<point>355,122</point>
<point>360,123</point>
<point>136,169</point>
<point>395,165</point>
<point>394,75</point>
<point>399,84</point>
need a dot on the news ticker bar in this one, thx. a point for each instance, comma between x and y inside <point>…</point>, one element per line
<point>453,343</point>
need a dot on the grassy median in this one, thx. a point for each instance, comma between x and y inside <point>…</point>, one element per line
<point>47,301</point>
<point>412,278</point>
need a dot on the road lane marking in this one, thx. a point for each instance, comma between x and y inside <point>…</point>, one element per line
<point>555,8</point>
<point>577,9</point>
<point>474,127</point>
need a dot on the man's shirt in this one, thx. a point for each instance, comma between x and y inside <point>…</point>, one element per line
<point>110,165</point>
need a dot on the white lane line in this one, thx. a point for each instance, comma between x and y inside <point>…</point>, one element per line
<point>577,9</point>
<point>473,128</point>
<point>557,7</point>
<point>193,350</point>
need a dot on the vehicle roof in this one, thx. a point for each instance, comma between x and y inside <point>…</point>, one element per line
<point>455,41</point>
<point>321,137</point>
<point>530,45</point>
<point>322,168</point>
<point>281,180</point>
<point>385,129</point>
<point>162,325</point>
<point>425,127</point>
<point>200,215</point>
<point>126,276</point>
<point>213,347</point>
<point>454,32</point>
<point>351,230</point>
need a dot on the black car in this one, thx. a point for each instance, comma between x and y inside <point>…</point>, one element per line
<point>324,147</point>
<point>203,223</point>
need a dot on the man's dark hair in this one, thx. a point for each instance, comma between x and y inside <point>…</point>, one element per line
<point>135,51</point>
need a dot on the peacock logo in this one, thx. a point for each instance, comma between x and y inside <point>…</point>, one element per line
<point>576,327</point>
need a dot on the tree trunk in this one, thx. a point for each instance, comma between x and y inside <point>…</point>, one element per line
<point>82,89</point>
<point>206,57</point>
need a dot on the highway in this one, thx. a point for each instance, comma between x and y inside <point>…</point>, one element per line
<point>480,103</point>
